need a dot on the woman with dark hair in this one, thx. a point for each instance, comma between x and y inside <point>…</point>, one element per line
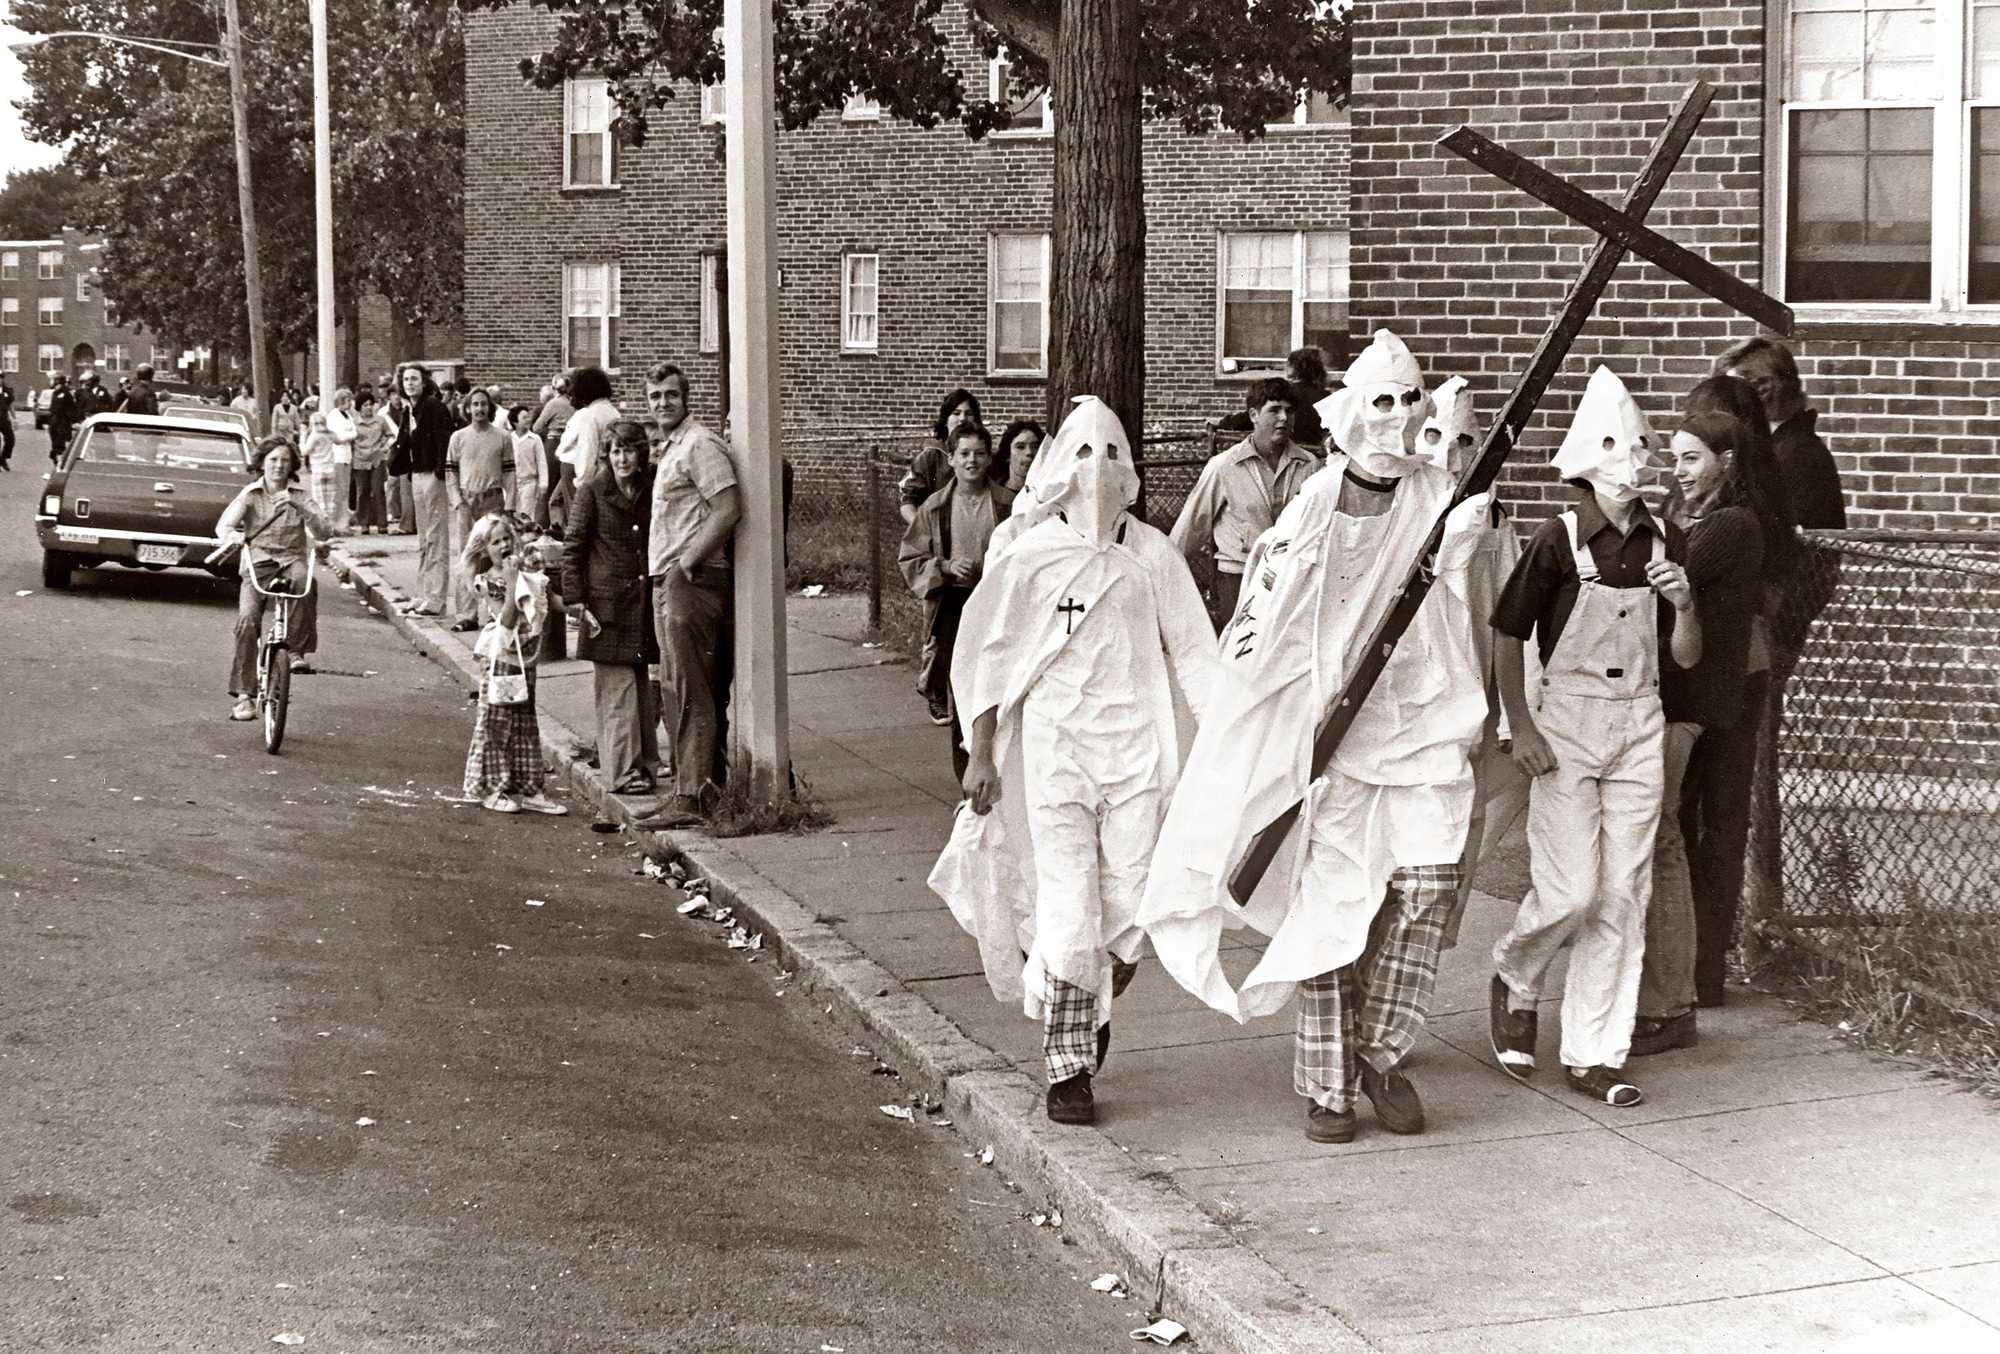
<point>422,443</point>
<point>604,580</point>
<point>1015,452</point>
<point>583,437</point>
<point>930,469</point>
<point>1723,476</point>
<point>278,513</point>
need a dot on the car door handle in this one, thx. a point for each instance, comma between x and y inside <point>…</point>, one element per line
<point>163,488</point>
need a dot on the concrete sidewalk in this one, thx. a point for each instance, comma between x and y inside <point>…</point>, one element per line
<point>1777,1190</point>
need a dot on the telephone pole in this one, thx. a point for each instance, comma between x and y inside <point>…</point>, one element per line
<point>253,275</point>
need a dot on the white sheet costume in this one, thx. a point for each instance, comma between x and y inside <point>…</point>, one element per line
<point>1394,805</point>
<point>1083,628</point>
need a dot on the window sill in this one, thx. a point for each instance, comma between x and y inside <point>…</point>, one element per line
<point>1894,329</point>
<point>860,352</point>
<point>1021,134</point>
<point>1246,376</point>
<point>590,189</point>
<point>1016,378</point>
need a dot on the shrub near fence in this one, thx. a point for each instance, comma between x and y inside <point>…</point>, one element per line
<point>1885,805</point>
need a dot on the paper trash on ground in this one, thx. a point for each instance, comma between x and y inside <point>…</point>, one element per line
<point>690,907</point>
<point>537,902</point>
<point>902,1112</point>
<point>288,1338</point>
<point>1109,1283</point>
<point>1161,1332</point>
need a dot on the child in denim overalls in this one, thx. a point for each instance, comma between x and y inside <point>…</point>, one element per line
<point>1592,736</point>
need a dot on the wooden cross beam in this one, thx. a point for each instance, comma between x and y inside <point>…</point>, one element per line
<point>1621,229</point>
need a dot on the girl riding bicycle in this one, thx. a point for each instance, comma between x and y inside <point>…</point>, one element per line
<point>275,514</point>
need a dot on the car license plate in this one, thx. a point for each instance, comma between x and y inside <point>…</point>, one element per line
<point>71,536</point>
<point>159,554</point>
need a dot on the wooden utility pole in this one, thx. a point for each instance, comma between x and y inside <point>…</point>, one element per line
<point>323,204</point>
<point>761,714</point>
<point>246,202</point>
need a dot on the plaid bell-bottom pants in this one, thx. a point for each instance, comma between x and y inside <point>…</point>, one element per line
<point>1373,1007</point>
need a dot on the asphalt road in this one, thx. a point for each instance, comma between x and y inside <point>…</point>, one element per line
<point>593,1126</point>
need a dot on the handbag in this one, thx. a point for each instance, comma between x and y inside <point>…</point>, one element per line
<point>506,681</point>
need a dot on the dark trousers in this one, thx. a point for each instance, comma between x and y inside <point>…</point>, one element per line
<point>1222,598</point>
<point>365,497</point>
<point>937,666</point>
<point>1715,823</point>
<point>7,438</point>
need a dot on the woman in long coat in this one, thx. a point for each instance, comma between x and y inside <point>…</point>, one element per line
<point>604,576</point>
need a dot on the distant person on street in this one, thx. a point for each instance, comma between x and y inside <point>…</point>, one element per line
<point>6,423</point>
<point>583,434</point>
<point>1240,493</point>
<point>930,470</point>
<point>605,583</point>
<point>245,404</point>
<point>274,510</point>
<point>529,489</point>
<point>285,417</point>
<point>141,400</point>
<point>402,499</point>
<point>695,508</point>
<point>372,440</point>
<point>316,449</point>
<point>93,398</point>
<point>478,459</point>
<point>943,558</point>
<point>62,417</point>
<point>421,444</point>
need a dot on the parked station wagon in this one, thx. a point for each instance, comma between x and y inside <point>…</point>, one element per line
<point>140,491</point>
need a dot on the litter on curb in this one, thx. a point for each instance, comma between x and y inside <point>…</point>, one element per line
<point>902,1112</point>
<point>1109,1283</point>
<point>1161,1332</point>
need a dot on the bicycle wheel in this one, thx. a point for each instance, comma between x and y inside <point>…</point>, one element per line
<point>276,697</point>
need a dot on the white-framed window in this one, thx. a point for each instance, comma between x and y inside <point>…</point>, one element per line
<point>709,303</point>
<point>50,265</point>
<point>10,310</point>
<point>1032,114</point>
<point>1314,110</point>
<point>860,297</point>
<point>10,264</point>
<point>590,141</point>
<point>715,97</point>
<point>590,315</point>
<point>1885,190</point>
<point>860,109</point>
<point>1277,290</point>
<point>49,310</point>
<point>49,358</point>
<point>117,358</point>
<point>83,286</point>
<point>10,357</point>
<point>1017,305</point>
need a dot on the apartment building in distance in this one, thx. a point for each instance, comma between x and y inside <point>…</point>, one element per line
<point>53,317</point>
<point>910,261</point>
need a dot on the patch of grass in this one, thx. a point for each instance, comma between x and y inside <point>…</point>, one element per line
<point>829,543</point>
<point>738,813</point>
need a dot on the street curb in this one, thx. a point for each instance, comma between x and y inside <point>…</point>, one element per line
<point>1172,1256</point>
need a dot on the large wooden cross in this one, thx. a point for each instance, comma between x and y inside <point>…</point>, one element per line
<point>1622,229</point>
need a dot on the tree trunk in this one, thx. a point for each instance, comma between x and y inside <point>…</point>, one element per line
<point>402,346</point>
<point>1097,300</point>
<point>347,315</point>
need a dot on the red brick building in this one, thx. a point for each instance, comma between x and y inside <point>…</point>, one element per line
<point>1850,165</point>
<point>52,315</point>
<point>912,261</point>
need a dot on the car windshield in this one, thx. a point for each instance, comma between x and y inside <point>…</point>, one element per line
<point>164,447</point>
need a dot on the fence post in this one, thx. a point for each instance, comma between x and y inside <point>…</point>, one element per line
<point>875,537</point>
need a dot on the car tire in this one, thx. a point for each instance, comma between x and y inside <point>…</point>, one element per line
<point>56,568</point>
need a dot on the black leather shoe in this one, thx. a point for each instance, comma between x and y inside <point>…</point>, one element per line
<point>1325,1125</point>
<point>1398,1107</point>
<point>1070,1101</point>
<point>1606,1085</point>
<point>1650,1036</point>
<point>1512,1033</point>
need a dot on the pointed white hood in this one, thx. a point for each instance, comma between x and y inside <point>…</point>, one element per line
<point>1085,473</point>
<point>1609,443</point>
<point>1381,440</point>
<point>1450,436</point>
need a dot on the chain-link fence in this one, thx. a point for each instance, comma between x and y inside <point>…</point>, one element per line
<point>1876,843</point>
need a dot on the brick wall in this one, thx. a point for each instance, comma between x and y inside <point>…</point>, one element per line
<point>83,321</point>
<point>1470,271</point>
<point>924,200</point>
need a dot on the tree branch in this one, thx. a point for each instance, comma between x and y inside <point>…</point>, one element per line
<point>1028,25</point>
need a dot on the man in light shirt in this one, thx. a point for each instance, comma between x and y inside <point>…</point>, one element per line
<point>1241,492</point>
